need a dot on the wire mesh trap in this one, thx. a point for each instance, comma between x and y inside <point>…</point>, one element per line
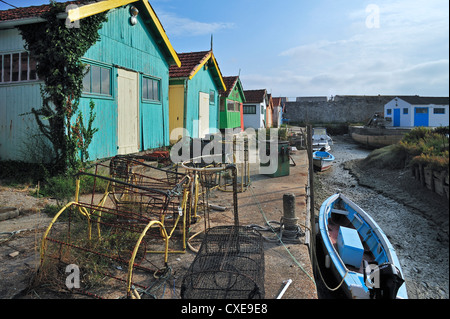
<point>122,240</point>
<point>229,265</point>
<point>230,261</point>
<point>237,153</point>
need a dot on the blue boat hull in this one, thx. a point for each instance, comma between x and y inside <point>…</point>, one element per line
<point>375,243</point>
<point>322,160</point>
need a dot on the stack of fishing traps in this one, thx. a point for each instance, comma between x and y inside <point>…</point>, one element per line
<point>229,265</point>
<point>230,261</point>
<point>119,239</point>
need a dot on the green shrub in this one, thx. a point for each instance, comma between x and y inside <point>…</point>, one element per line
<point>392,156</point>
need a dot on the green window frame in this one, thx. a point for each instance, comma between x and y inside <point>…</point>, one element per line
<point>97,80</point>
<point>151,89</point>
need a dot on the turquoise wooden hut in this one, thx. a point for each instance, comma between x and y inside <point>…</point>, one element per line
<point>194,95</point>
<point>128,79</point>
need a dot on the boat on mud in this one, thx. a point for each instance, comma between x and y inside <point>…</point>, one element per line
<point>358,252</point>
<point>376,137</point>
<point>322,160</point>
<point>321,140</point>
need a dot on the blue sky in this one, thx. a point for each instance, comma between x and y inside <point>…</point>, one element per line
<point>308,48</point>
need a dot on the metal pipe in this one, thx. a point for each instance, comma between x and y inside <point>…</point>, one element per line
<point>287,284</point>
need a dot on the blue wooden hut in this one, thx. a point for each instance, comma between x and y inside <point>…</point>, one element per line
<point>128,79</point>
<point>194,94</point>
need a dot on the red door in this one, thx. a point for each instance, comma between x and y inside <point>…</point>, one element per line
<point>242,117</point>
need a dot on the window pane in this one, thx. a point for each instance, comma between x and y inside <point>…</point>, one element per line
<point>87,80</point>
<point>106,81</point>
<point>230,106</point>
<point>151,89</point>
<point>32,67</point>
<point>421,110</point>
<point>251,109</point>
<point>7,68</point>
<point>95,85</point>
<point>155,90</point>
<point>145,88</point>
<point>24,66</point>
<point>15,67</point>
<point>439,110</point>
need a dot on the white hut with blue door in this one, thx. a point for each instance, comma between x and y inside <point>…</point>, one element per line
<point>415,111</point>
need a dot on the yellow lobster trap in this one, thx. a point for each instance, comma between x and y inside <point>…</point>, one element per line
<point>119,240</point>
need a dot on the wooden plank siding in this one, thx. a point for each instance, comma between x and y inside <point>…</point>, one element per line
<point>17,128</point>
<point>234,93</point>
<point>132,48</point>
<point>121,46</point>
<point>202,82</point>
<point>176,111</point>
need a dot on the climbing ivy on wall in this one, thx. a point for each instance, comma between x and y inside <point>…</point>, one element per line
<point>58,49</point>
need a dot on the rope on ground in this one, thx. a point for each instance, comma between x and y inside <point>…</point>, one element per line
<point>161,281</point>
<point>12,233</point>
<point>290,235</point>
<point>279,239</point>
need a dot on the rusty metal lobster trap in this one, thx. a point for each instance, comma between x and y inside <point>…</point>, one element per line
<point>236,152</point>
<point>229,265</point>
<point>230,261</point>
<point>117,239</point>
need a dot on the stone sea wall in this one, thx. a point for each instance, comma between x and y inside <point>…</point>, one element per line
<point>339,109</point>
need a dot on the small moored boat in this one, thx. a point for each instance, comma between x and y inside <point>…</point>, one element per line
<point>322,160</point>
<point>358,252</point>
<point>321,139</point>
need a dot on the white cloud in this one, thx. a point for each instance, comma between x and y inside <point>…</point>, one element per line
<point>179,26</point>
<point>407,54</point>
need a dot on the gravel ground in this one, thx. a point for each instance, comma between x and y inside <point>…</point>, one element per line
<point>414,219</point>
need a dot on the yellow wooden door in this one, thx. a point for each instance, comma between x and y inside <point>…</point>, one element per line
<point>176,111</point>
<point>128,112</point>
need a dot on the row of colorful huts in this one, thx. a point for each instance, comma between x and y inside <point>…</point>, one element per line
<point>142,88</point>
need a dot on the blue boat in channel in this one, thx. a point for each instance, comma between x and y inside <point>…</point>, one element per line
<point>322,160</point>
<point>358,252</point>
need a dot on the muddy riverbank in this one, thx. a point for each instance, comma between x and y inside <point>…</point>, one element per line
<point>414,218</point>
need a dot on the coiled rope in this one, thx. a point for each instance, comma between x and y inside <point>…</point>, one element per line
<point>279,239</point>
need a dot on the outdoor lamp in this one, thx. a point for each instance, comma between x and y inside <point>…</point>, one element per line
<point>134,12</point>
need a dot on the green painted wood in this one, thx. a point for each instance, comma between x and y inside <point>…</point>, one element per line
<point>231,119</point>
